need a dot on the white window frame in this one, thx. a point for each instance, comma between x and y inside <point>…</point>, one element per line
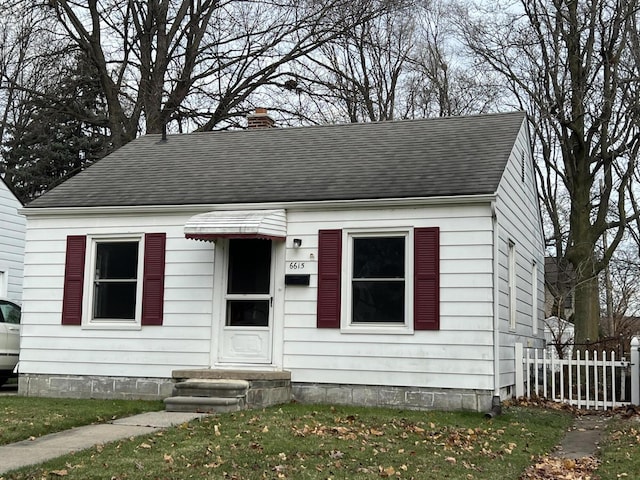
<point>4,282</point>
<point>346,323</point>
<point>511,284</point>
<point>88,322</point>
<point>534,296</point>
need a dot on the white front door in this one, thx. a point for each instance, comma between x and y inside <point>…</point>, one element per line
<point>247,318</point>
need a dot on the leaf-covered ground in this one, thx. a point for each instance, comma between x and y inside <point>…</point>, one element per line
<point>617,456</point>
<point>317,442</point>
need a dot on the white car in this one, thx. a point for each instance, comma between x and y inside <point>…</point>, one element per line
<point>9,338</point>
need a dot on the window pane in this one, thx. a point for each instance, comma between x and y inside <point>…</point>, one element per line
<point>115,300</point>
<point>378,302</point>
<point>379,257</point>
<point>116,260</point>
<point>249,266</point>
<point>248,313</point>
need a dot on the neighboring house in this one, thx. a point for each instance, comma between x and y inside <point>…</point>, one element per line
<point>392,263</point>
<point>12,233</point>
<point>558,335</point>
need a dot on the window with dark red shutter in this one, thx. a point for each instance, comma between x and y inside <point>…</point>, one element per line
<point>73,280</point>
<point>329,266</point>
<point>426,284</point>
<point>153,279</point>
<point>115,280</point>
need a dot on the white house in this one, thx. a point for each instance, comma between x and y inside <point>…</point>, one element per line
<point>12,233</point>
<point>391,263</point>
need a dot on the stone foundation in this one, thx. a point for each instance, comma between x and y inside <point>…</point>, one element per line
<point>410,398</point>
<point>266,389</point>
<point>88,386</point>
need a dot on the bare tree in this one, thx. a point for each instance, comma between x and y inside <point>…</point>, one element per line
<point>358,76</point>
<point>22,71</point>
<point>623,296</point>
<point>405,63</point>
<point>193,63</point>
<point>571,65</point>
<point>441,82</point>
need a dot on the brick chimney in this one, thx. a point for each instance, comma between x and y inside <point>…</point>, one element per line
<point>260,119</point>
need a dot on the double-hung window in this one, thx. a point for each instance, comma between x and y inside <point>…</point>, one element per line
<point>115,280</point>
<point>378,287</point>
<point>115,290</point>
<point>378,279</point>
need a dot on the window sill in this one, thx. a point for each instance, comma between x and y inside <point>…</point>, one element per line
<point>112,326</point>
<point>382,329</point>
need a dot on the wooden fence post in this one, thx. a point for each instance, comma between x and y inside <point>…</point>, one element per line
<point>519,371</point>
<point>635,371</point>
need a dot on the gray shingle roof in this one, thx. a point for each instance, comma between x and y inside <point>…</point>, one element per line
<point>398,159</point>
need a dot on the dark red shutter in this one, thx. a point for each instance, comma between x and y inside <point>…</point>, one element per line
<point>426,282</point>
<point>153,279</point>
<point>329,265</point>
<point>73,280</point>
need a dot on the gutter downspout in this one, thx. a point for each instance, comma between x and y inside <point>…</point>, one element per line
<point>496,408</point>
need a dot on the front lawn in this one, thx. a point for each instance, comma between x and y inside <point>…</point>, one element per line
<point>620,452</point>
<point>321,442</point>
<point>26,417</point>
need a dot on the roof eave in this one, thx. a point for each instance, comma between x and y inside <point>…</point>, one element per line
<point>299,205</point>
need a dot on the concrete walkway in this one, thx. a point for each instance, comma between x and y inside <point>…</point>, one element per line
<point>33,452</point>
<point>583,438</point>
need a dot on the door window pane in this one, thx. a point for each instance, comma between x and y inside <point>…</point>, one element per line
<point>249,266</point>
<point>242,313</point>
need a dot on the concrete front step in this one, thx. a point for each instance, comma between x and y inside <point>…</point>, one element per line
<point>203,404</point>
<point>250,388</point>
<point>220,388</point>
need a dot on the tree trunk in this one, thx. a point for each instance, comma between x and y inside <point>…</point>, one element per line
<point>587,310</point>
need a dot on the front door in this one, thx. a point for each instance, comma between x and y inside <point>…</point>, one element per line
<point>248,302</point>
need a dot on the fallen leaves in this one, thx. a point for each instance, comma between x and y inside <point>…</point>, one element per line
<point>555,468</point>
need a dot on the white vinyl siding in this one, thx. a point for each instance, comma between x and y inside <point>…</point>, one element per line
<point>519,220</point>
<point>459,355</point>
<point>184,339</point>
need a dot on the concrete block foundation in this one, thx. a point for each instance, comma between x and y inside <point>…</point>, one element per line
<point>88,386</point>
<point>411,398</point>
<point>266,389</point>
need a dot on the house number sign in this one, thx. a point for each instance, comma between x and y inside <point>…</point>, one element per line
<point>296,266</point>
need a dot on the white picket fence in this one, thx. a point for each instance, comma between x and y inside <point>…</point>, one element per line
<point>590,380</point>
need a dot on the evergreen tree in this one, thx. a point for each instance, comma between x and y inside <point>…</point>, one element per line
<point>64,132</point>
